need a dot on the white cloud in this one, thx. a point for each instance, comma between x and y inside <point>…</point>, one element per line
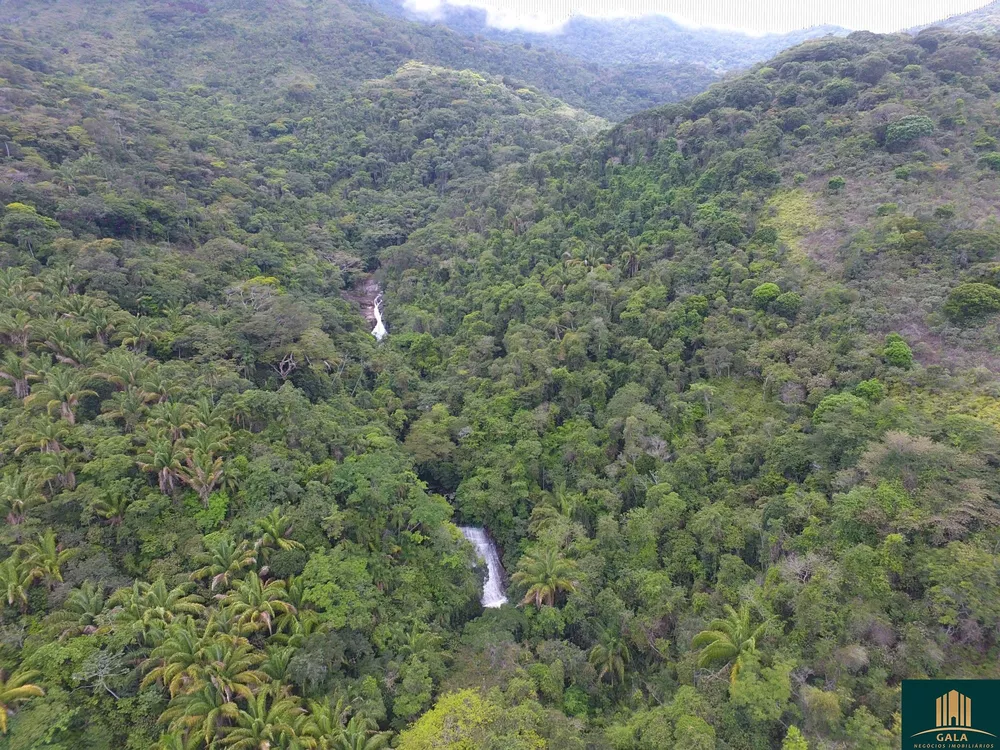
<point>758,17</point>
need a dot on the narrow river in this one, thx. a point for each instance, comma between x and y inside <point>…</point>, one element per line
<point>493,589</point>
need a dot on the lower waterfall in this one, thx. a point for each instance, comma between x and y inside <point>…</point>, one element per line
<point>493,589</point>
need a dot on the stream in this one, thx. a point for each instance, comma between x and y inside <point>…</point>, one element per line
<point>493,589</point>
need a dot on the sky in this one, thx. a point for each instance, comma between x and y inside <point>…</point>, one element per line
<point>751,16</point>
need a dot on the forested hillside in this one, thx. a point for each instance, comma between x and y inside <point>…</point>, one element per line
<point>261,50</point>
<point>720,380</point>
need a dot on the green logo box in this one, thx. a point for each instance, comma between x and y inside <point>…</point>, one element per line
<point>951,715</point>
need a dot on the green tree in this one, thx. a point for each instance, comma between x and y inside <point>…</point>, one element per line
<point>897,352</point>
<point>765,294</point>
<point>545,576</point>
<point>970,301</point>
<point>730,640</point>
<point>611,656</point>
<point>23,226</point>
<point>15,689</point>
<point>794,740</point>
<point>61,391</point>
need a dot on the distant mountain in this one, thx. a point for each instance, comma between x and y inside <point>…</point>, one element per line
<point>985,20</point>
<point>647,40</point>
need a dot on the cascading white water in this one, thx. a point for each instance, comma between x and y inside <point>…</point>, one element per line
<point>493,595</point>
<point>379,331</point>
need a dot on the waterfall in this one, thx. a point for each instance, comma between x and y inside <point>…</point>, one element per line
<point>493,595</point>
<point>379,331</point>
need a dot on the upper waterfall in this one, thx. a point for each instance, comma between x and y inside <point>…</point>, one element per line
<point>379,332</point>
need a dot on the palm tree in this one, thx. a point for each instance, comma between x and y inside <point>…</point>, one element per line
<point>230,665</point>
<point>15,580</point>
<point>300,620</point>
<point>76,352</point>
<point>177,741</point>
<point>16,329</point>
<point>62,330</point>
<point>14,690</point>
<point>200,716</point>
<point>255,604</point>
<point>75,305</point>
<point>101,323</point>
<point>62,389</point>
<point>81,612</point>
<point>62,279</point>
<point>360,734</point>
<point>558,504</point>
<point>137,333</point>
<point>151,607</point>
<point>323,725</point>
<point>45,435</point>
<point>202,474</point>
<point>274,532</point>
<point>112,508</point>
<point>157,387</point>
<point>418,644</point>
<point>546,575</point>
<point>610,656</point>
<point>631,258</point>
<point>174,663</point>
<point>276,664</point>
<point>210,440</point>
<point>61,467</point>
<point>15,368</point>
<point>171,416</point>
<point>45,558</point>
<point>16,283</point>
<point>270,720</point>
<point>165,457</point>
<point>223,561</point>
<point>128,406</point>
<point>19,492</point>
<point>123,368</point>
<point>731,639</point>
<point>208,414</point>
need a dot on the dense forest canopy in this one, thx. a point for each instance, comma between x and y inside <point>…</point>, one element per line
<point>720,380</point>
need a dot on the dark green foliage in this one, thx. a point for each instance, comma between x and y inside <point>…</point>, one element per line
<point>968,302</point>
<point>897,352</point>
<point>991,161</point>
<point>872,390</point>
<point>765,294</point>
<point>907,130</point>
<point>787,304</point>
<point>838,91</point>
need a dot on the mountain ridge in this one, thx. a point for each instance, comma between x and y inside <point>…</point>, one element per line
<point>650,39</point>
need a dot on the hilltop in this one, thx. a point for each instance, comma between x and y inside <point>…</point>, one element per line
<point>985,20</point>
